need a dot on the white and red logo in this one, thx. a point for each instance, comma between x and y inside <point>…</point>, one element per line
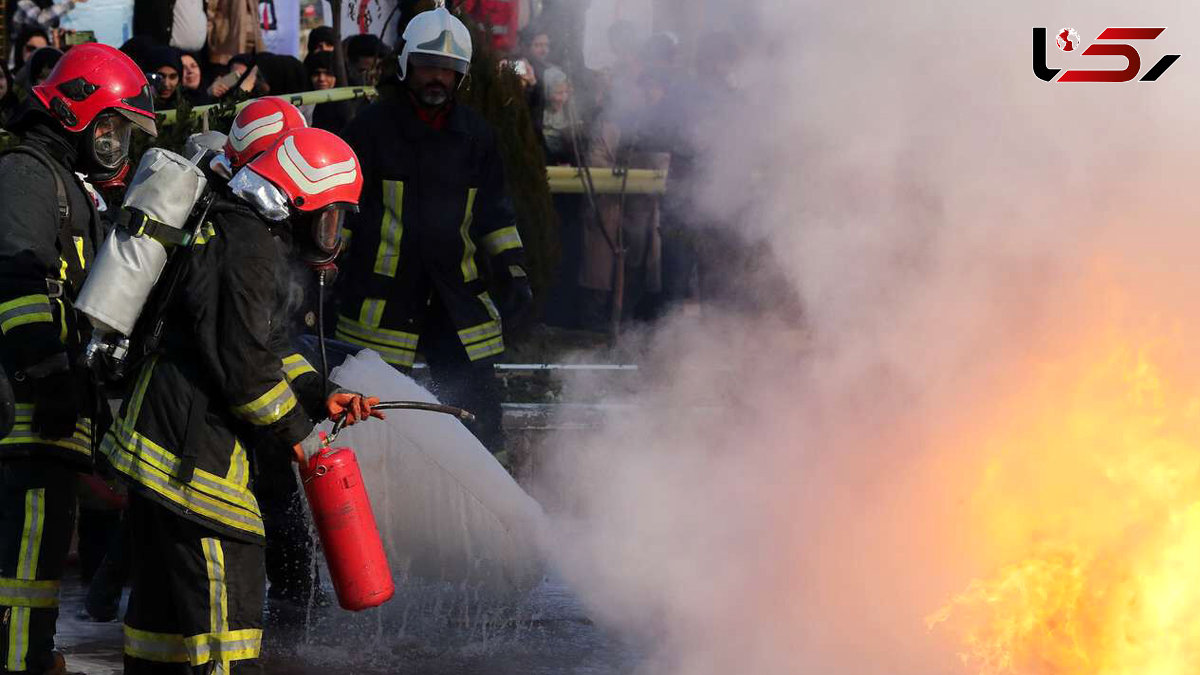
<point>240,137</point>
<point>310,179</point>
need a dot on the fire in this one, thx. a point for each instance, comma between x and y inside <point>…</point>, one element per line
<point>1089,507</point>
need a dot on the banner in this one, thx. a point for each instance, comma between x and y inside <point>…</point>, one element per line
<point>111,20</point>
<point>367,16</point>
<point>280,20</point>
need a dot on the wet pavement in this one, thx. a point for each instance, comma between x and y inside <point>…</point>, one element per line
<point>424,630</point>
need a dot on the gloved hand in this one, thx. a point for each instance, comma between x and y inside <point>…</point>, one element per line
<point>57,402</point>
<point>354,407</point>
<point>307,448</point>
<point>516,300</point>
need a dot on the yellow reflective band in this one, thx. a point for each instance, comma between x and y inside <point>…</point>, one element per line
<point>134,407</point>
<point>515,272</point>
<point>469,270</point>
<point>218,595</point>
<point>224,646</point>
<point>189,496</point>
<point>239,466</point>
<point>27,563</point>
<point>396,347</point>
<point>488,305</point>
<point>25,310</point>
<point>18,638</point>
<point>391,231</point>
<point>483,350</point>
<point>270,407</point>
<point>25,593</point>
<point>371,312</point>
<point>296,366</point>
<point>157,647</point>
<point>504,239</point>
<point>167,463</point>
<point>484,331</point>
<point>79,252</point>
<point>23,434</point>
<point>206,233</point>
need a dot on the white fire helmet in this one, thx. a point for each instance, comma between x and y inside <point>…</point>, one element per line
<point>438,38</point>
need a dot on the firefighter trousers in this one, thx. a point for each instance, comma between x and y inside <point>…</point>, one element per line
<point>456,380</point>
<point>37,514</point>
<point>197,598</point>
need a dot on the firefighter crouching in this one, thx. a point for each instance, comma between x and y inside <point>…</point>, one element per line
<point>226,380</point>
<point>80,119</point>
<point>434,195</point>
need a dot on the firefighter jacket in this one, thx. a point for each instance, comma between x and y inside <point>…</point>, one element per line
<point>432,199</point>
<point>224,380</point>
<point>47,241</point>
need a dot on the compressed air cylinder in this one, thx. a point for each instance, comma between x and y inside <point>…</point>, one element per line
<point>345,523</point>
<point>165,188</point>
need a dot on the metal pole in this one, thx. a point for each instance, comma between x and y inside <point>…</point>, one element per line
<point>339,53</point>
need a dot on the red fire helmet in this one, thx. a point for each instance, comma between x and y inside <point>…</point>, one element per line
<point>313,168</point>
<point>258,126</point>
<point>92,78</point>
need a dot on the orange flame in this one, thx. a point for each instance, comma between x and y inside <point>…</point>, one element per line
<point>1090,506</point>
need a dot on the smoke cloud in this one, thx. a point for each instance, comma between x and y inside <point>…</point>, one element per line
<point>797,494</point>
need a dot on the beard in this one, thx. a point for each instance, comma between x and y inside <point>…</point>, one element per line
<point>433,95</point>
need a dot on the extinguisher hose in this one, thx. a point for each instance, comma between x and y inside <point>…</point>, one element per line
<point>461,414</point>
<point>321,333</point>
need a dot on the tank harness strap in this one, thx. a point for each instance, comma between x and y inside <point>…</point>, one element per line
<point>191,436</point>
<point>139,224</point>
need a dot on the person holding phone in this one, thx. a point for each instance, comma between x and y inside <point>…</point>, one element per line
<point>44,14</point>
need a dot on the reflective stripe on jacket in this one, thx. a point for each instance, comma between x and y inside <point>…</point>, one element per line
<point>226,380</point>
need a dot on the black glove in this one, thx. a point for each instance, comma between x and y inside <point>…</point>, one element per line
<point>57,403</point>
<point>516,300</point>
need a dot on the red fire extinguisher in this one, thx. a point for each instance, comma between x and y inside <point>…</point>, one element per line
<point>342,512</point>
<point>345,523</point>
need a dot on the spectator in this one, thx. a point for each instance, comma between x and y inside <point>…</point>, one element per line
<point>35,70</point>
<point>321,39</point>
<point>44,14</point>
<point>165,62</point>
<point>363,53</point>
<point>242,74</point>
<point>556,120</point>
<point>328,116</point>
<point>192,81</point>
<point>280,74</point>
<point>318,66</point>
<point>234,28</point>
<point>8,96</point>
<point>28,40</point>
<point>138,48</point>
<point>182,24</point>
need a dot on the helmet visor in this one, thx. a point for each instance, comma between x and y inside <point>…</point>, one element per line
<point>423,60</point>
<point>110,138</point>
<point>327,229</point>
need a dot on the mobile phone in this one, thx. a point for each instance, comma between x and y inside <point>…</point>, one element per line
<point>80,37</point>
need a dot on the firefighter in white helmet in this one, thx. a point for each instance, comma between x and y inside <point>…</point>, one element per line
<point>433,198</point>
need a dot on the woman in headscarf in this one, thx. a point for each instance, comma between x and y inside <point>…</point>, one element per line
<point>29,39</point>
<point>166,64</point>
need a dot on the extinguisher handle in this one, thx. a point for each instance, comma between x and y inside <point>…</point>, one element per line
<point>461,414</point>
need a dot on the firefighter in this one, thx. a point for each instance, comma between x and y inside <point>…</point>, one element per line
<point>226,380</point>
<point>434,195</point>
<point>289,546</point>
<point>78,121</point>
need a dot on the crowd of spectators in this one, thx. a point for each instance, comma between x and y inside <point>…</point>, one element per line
<point>642,111</point>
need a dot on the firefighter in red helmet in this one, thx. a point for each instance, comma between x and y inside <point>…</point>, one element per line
<point>79,121</point>
<point>223,386</point>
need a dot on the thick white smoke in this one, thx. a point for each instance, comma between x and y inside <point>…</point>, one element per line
<point>785,501</point>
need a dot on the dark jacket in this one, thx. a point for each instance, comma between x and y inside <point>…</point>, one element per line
<point>40,333</point>
<point>154,19</point>
<point>431,200</point>
<point>226,380</point>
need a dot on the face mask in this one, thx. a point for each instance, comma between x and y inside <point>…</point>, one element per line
<point>324,242</point>
<point>110,141</point>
